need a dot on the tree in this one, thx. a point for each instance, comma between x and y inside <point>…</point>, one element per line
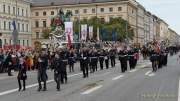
<point>45,33</point>
<point>119,25</point>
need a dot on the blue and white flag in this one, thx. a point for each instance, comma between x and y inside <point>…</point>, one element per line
<point>14,24</point>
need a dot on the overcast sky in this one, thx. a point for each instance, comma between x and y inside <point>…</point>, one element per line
<point>168,10</point>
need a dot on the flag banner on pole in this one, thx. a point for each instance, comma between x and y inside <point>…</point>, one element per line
<point>90,32</point>
<point>83,32</point>
<point>69,32</point>
<point>98,34</point>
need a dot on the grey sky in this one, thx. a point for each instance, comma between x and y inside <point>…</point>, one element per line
<point>168,10</point>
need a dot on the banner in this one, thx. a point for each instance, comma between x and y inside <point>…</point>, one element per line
<point>69,32</point>
<point>98,34</point>
<point>83,32</point>
<point>90,32</point>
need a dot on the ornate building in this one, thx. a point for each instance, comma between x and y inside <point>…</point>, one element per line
<point>18,10</point>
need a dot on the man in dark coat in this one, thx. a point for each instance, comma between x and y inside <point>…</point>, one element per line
<point>101,59</point>
<point>64,57</point>
<point>123,59</point>
<point>57,70</point>
<point>84,61</point>
<point>42,75</point>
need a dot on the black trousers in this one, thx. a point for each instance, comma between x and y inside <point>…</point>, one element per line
<point>71,68</point>
<point>101,64</point>
<point>154,66</point>
<point>63,76</point>
<point>20,86</point>
<point>85,70</point>
<point>107,63</point>
<point>123,66</point>
<point>9,70</point>
<point>57,79</point>
<point>40,85</point>
<point>113,62</point>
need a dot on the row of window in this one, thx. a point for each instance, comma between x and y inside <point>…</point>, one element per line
<point>20,27</point>
<point>20,42</point>
<point>111,9</point>
<point>37,24</point>
<point>12,10</point>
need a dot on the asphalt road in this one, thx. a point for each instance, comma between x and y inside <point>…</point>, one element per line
<point>105,85</point>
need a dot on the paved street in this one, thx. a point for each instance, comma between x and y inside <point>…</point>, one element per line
<point>106,85</point>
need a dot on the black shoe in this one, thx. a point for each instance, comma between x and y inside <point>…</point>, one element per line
<point>39,89</point>
<point>24,89</point>
<point>44,89</point>
<point>19,89</point>
<point>58,89</point>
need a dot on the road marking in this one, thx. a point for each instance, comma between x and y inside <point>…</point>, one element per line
<point>134,70</point>
<point>117,77</point>
<point>147,73</point>
<point>31,86</point>
<point>151,74</point>
<point>179,91</point>
<point>91,90</point>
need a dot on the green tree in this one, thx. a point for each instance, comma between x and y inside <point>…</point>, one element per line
<point>121,26</point>
<point>45,33</point>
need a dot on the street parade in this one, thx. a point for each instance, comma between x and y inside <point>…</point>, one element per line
<point>90,56</point>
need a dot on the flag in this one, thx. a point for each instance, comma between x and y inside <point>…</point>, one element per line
<point>69,33</point>
<point>98,34</point>
<point>114,34</point>
<point>90,32</point>
<point>14,24</point>
<point>84,32</point>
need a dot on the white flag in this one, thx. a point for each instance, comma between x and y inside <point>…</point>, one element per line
<point>90,32</point>
<point>83,32</point>
<point>69,30</point>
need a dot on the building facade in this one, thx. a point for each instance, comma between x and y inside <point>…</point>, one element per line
<point>11,10</point>
<point>140,25</point>
<point>163,30</point>
<point>41,13</point>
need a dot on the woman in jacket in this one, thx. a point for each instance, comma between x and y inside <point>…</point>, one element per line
<point>22,74</point>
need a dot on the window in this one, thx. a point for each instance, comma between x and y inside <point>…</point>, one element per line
<point>102,20</point>
<point>44,23</point>
<point>23,42</point>
<point>19,26</point>
<point>119,8</point>
<point>22,12</point>
<point>132,11</point>
<point>110,18</point>
<point>26,12</point>
<point>36,24</point>
<point>52,12</point>
<point>76,11</point>
<point>5,41</point>
<point>10,41</point>
<point>18,12</point>
<point>9,10</point>
<point>37,35</point>
<point>93,10</point>
<point>27,27</point>
<point>37,13</point>
<point>44,13</point>
<point>85,11</point>
<point>4,25</point>
<point>110,9</point>
<point>23,27</point>
<point>14,10</point>
<point>4,8</point>
<point>19,42</point>
<point>102,9</point>
<point>9,25</point>
<point>27,42</point>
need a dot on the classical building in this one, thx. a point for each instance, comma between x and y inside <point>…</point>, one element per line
<point>15,10</point>
<point>141,23</point>
<point>163,30</point>
<point>42,12</point>
<point>173,37</point>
